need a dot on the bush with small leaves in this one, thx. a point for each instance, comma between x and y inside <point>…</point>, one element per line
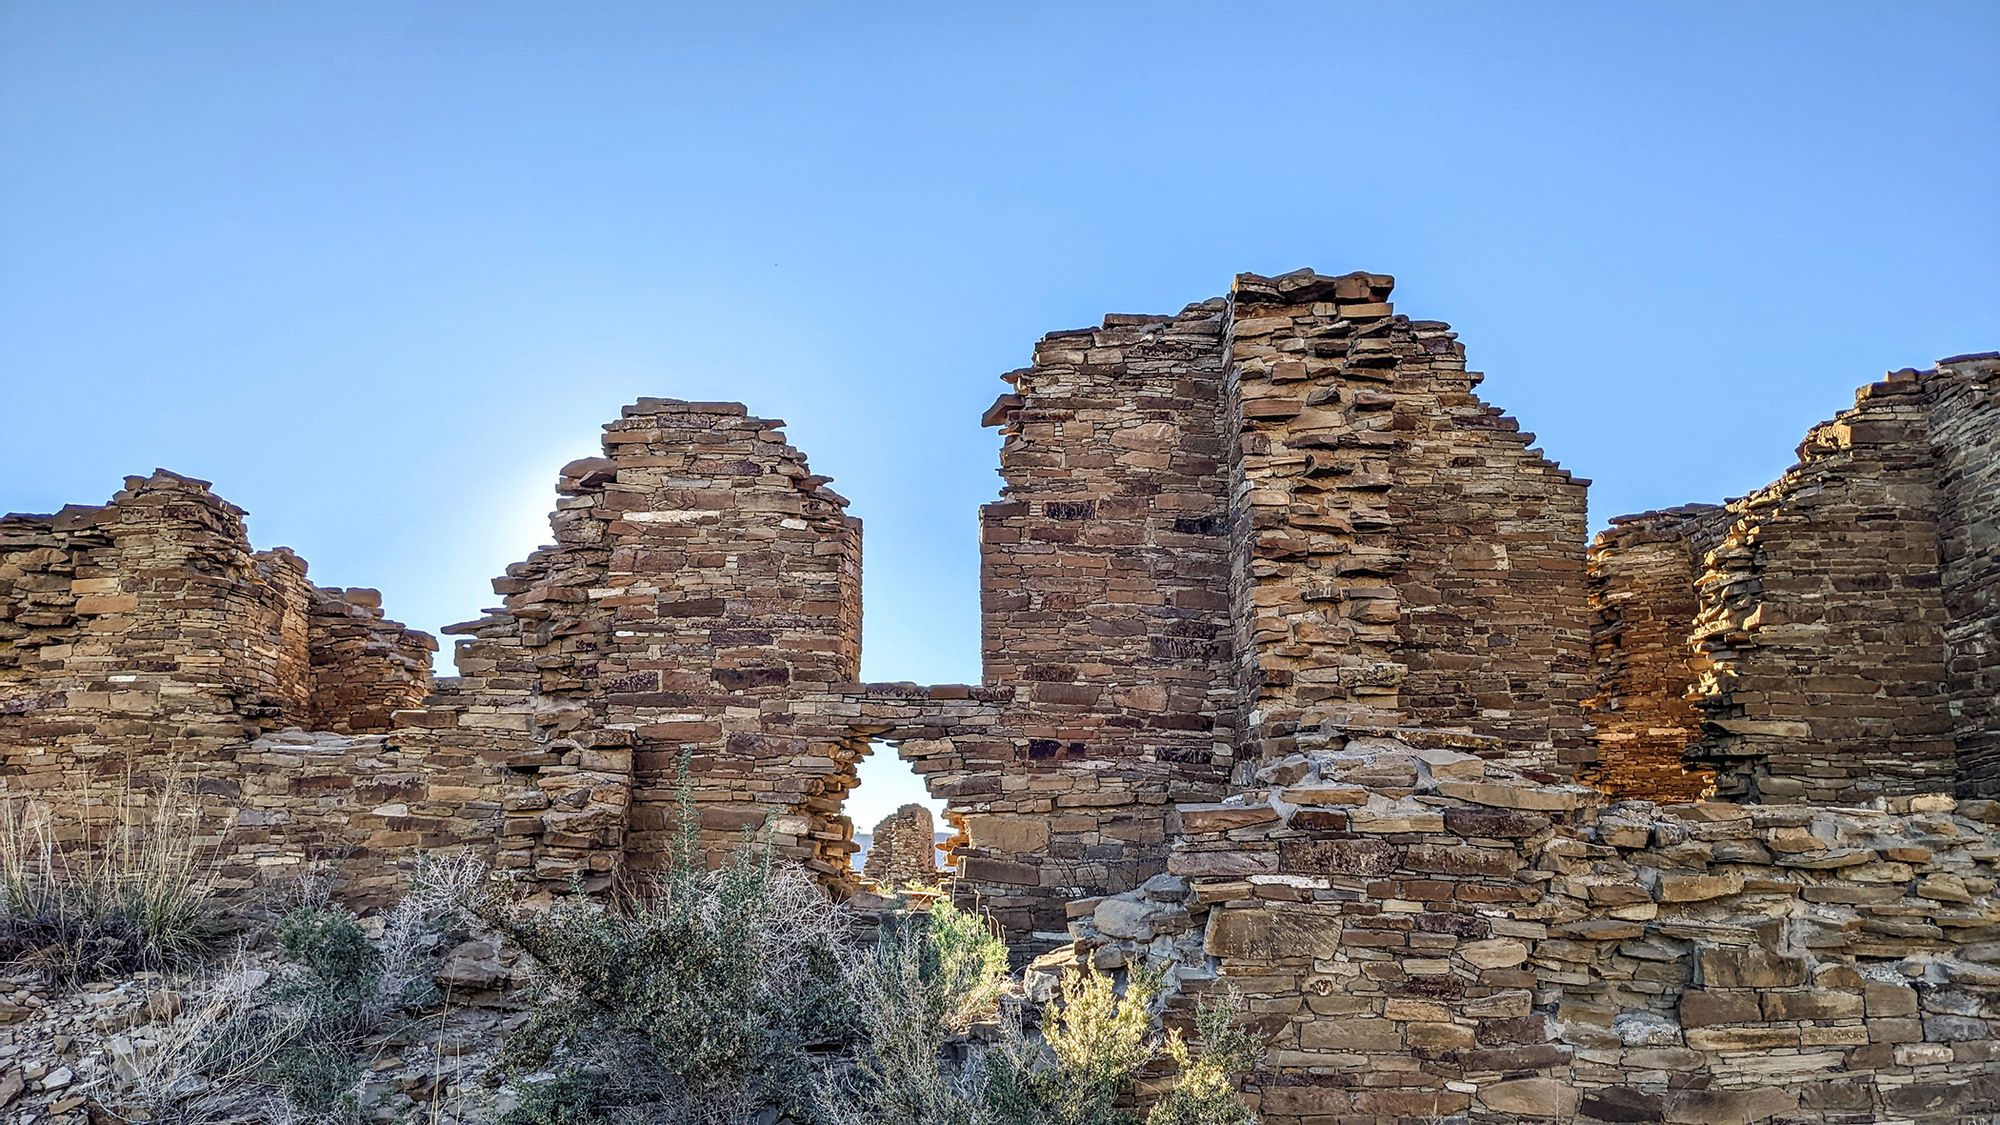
<point>1094,1042</point>
<point>931,976</point>
<point>700,997</point>
<point>1222,1053</point>
<point>338,990</point>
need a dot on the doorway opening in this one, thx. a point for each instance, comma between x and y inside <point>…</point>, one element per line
<point>899,828</point>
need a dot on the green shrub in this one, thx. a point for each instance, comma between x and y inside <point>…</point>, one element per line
<point>570,1098</point>
<point>1094,1041</point>
<point>138,898</point>
<point>1223,1052</point>
<point>931,976</point>
<point>309,1037</point>
<point>702,996</point>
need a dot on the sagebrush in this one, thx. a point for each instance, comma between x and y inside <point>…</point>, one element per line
<point>700,996</point>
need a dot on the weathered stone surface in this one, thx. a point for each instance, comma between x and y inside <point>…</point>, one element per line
<point>1531,1097</point>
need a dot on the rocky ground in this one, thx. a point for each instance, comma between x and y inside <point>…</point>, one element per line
<point>122,1050</point>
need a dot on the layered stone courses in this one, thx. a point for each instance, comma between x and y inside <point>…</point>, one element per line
<point>1834,630</point>
<point>143,643</point>
<point>902,850</point>
<point>1424,935</point>
<point>1643,603</point>
<point>1822,623</point>
<point>1293,659</point>
<point>1401,551</point>
<point>1965,432</point>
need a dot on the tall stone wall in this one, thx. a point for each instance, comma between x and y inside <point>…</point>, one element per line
<point>1643,605</point>
<point>1104,603</point>
<point>1965,432</point>
<point>1402,556</point>
<point>704,586</point>
<point>1823,621</point>
<point>1837,626</point>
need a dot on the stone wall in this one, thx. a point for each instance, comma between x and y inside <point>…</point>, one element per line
<point>144,645</point>
<point>1965,432</point>
<point>1103,602</point>
<point>1290,650</point>
<point>364,667</point>
<point>1643,605</point>
<point>1422,934</point>
<point>1838,625</point>
<point>1822,623</point>
<point>1401,553</point>
<point>902,850</point>
<point>703,588</point>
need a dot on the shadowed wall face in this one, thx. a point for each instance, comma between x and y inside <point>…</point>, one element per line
<point>1965,431</point>
<point>1837,626</point>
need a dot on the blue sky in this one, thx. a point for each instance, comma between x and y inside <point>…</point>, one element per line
<point>377,269</point>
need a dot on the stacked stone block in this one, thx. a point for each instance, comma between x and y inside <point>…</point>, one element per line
<point>1104,601</point>
<point>902,850</point>
<point>1822,624</point>
<point>1965,433</point>
<point>1643,605</point>
<point>1422,934</point>
<point>143,644</point>
<point>1401,554</point>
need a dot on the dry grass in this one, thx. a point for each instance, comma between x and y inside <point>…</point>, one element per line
<point>138,897</point>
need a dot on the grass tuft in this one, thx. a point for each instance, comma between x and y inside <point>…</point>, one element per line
<point>140,897</point>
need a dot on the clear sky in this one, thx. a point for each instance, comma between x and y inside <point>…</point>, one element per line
<point>378,269</point>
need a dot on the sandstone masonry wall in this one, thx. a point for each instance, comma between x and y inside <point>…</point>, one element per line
<point>143,644</point>
<point>1843,617</point>
<point>364,667</point>
<point>1965,432</point>
<point>1422,934</point>
<point>1104,604</point>
<point>703,586</point>
<point>1643,605</point>
<point>1274,543</point>
<point>1822,621</point>
<point>1401,556</point>
<point>902,850</point>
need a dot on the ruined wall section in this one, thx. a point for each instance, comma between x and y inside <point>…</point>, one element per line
<point>1314,612</point>
<point>704,587</point>
<point>732,590</point>
<point>364,667</point>
<point>143,631</point>
<point>1642,602</point>
<point>902,850</point>
<point>1104,599</point>
<point>1494,628</point>
<point>144,645</point>
<point>1965,433</point>
<point>1822,622</point>
<point>1420,934</point>
<point>1402,556</point>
